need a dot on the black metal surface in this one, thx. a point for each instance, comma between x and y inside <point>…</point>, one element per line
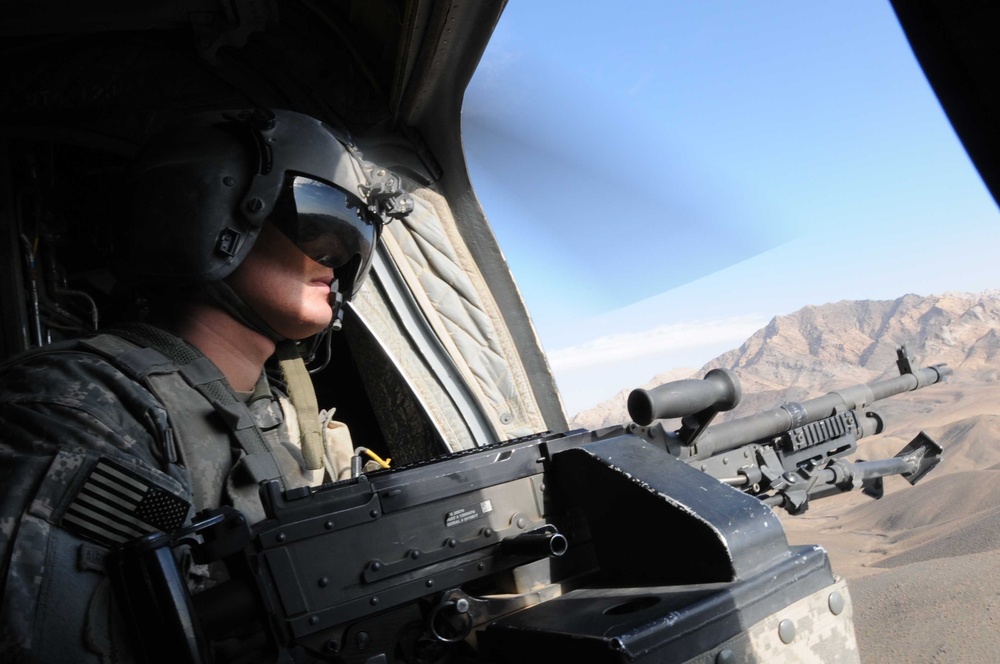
<point>339,554</point>
<point>957,47</point>
<point>344,552</point>
<point>682,525</point>
<point>461,473</point>
<point>830,437</point>
<point>649,625</point>
<point>924,453</point>
<point>156,605</point>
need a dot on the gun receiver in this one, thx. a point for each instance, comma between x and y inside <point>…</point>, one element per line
<point>795,449</point>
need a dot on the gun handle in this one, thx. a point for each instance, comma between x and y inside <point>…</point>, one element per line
<point>718,391</point>
<point>156,603</point>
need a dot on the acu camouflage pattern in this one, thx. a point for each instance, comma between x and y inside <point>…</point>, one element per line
<point>819,630</point>
<point>61,409</point>
<point>59,412</point>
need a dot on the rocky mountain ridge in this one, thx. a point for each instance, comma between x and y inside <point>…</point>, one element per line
<point>822,348</point>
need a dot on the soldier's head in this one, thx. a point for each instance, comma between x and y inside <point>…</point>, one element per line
<point>230,203</point>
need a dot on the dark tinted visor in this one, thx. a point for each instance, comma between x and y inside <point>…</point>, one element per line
<point>328,225</point>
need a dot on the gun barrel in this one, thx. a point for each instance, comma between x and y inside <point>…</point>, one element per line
<point>718,390</point>
<point>768,424</point>
<point>908,382</point>
<point>537,544</point>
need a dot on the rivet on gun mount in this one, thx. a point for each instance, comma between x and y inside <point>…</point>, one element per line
<point>836,603</point>
<point>786,631</point>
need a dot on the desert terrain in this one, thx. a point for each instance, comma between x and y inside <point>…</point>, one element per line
<point>922,563</point>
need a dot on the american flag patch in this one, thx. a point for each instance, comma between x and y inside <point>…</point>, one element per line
<point>116,505</point>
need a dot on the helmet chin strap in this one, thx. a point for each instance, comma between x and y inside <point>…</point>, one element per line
<point>225,297</point>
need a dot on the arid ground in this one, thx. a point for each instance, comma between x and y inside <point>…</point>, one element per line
<point>923,563</point>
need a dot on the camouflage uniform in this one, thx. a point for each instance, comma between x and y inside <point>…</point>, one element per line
<point>65,411</point>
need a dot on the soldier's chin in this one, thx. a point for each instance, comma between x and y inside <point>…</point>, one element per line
<point>305,328</point>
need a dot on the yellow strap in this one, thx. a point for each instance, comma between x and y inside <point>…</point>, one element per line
<point>376,458</point>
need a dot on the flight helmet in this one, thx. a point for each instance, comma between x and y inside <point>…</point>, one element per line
<point>203,189</point>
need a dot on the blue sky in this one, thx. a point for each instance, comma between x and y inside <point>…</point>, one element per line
<point>665,177</point>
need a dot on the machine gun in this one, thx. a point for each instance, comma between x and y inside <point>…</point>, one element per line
<point>590,546</point>
<point>793,452</point>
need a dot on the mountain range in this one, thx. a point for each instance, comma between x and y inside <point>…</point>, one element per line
<point>822,348</point>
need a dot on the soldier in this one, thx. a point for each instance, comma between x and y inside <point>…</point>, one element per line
<point>248,231</point>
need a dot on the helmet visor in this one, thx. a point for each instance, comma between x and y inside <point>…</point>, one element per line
<point>330,226</point>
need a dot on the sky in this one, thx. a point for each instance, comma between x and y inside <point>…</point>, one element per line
<point>666,177</point>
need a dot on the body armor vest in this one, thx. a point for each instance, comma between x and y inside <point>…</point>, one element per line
<point>227,446</point>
